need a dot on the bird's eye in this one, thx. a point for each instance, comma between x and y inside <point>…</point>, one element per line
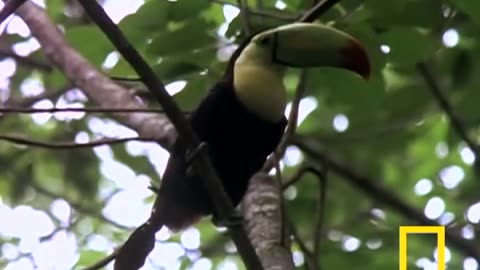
<point>265,40</point>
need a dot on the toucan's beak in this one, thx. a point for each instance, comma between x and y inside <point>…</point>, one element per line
<point>315,45</point>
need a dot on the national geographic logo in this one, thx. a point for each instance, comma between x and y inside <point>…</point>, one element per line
<point>438,230</point>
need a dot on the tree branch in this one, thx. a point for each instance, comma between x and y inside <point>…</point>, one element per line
<point>297,176</point>
<point>244,16</point>
<point>9,8</point>
<point>320,173</point>
<point>373,188</point>
<point>27,61</point>
<point>319,9</point>
<point>76,205</point>
<point>263,215</point>
<point>29,101</point>
<point>69,145</point>
<point>320,214</point>
<point>202,164</point>
<point>291,126</point>
<point>85,76</point>
<point>310,262</point>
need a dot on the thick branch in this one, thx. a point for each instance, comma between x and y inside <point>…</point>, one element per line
<point>263,215</point>
<point>98,87</point>
<point>373,188</point>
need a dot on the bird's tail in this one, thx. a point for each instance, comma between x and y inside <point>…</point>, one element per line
<point>134,252</point>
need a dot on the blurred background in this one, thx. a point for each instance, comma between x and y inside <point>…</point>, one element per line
<point>66,209</point>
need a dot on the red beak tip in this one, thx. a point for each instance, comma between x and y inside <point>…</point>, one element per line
<point>356,59</point>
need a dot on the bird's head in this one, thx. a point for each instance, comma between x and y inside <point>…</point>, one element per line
<point>303,45</point>
<point>258,65</point>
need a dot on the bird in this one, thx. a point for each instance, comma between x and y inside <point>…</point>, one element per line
<point>240,122</point>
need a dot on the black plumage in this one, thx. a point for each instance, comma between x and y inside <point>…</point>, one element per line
<point>238,143</point>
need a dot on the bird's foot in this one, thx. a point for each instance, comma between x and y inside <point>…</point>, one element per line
<point>192,155</point>
<point>234,219</point>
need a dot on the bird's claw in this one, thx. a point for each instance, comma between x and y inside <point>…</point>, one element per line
<point>234,219</point>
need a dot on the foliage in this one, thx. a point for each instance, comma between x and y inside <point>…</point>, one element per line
<point>389,128</point>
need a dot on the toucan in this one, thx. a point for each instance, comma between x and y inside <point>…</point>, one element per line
<point>241,121</point>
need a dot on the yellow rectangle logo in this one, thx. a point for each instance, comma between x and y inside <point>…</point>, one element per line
<point>439,230</point>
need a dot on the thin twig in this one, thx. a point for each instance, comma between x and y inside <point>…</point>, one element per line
<point>9,8</point>
<point>244,16</point>
<point>26,61</point>
<point>293,117</point>
<point>310,260</point>
<point>222,204</point>
<point>103,262</point>
<point>320,215</point>
<point>29,101</point>
<point>445,105</point>
<point>297,176</point>
<point>85,110</point>
<point>292,123</point>
<point>69,145</point>
<point>319,9</point>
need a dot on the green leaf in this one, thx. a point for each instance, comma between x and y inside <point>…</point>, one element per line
<point>48,173</point>
<point>170,70</point>
<point>89,257</point>
<point>95,51</point>
<point>193,92</point>
<point>55,80</point>
<point>55,8</point>
<point>140,164</point>
<point>22,181</point>
<point>388,14</point>
<point>192,36</point>
<point>408,46</point>
<point>185,9</point>
<point>150,18</point>
<point>82,172</point>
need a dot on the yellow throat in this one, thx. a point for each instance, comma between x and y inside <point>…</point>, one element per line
<point>259,85</point>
